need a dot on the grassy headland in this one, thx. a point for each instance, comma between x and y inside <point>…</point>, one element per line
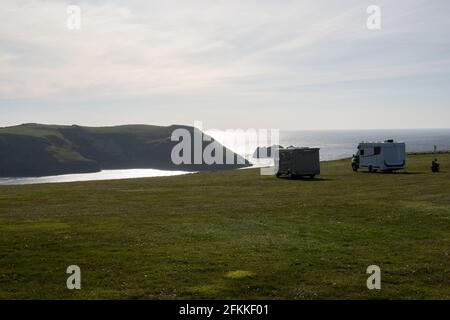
<point>41,150</point>
<point>232,234</point>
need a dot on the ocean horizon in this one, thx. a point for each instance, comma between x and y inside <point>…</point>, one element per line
<point>340,144</point>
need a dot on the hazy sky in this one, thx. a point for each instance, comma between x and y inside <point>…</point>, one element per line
<point>304,64</point>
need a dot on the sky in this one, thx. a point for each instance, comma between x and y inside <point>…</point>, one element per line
<point>275,64</point>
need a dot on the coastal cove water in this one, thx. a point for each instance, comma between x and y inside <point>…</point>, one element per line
<point>334,144</point>
<point>102,175</point>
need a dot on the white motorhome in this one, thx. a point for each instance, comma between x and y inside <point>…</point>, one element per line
<point>383,156</point>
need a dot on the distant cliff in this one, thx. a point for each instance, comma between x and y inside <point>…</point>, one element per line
<point>41,150</point>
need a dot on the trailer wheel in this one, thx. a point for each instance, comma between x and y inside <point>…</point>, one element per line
<point>312,176</point>
<point>354,167</point>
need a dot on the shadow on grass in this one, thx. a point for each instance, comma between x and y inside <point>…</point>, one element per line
<point>392,172</point>
<point>316,179</point>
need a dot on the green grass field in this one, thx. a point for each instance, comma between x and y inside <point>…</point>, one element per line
<point>232,234</point>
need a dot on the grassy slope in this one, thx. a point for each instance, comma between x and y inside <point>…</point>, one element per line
<point>53,145</point>
<point>65,152</point>
<point>231,235</point>
<point>41,150</point>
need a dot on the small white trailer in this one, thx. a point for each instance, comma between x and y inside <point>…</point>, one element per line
<point>383,156</point>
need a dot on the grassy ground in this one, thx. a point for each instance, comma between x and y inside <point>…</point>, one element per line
<point>231,235</point>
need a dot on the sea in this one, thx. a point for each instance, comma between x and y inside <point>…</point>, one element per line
<point>333,144</point>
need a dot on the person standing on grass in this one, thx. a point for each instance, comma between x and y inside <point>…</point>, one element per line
<point>435,166</point>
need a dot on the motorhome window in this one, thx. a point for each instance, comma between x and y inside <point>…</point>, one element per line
<point>362,151</point>
<point>377,150</point>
